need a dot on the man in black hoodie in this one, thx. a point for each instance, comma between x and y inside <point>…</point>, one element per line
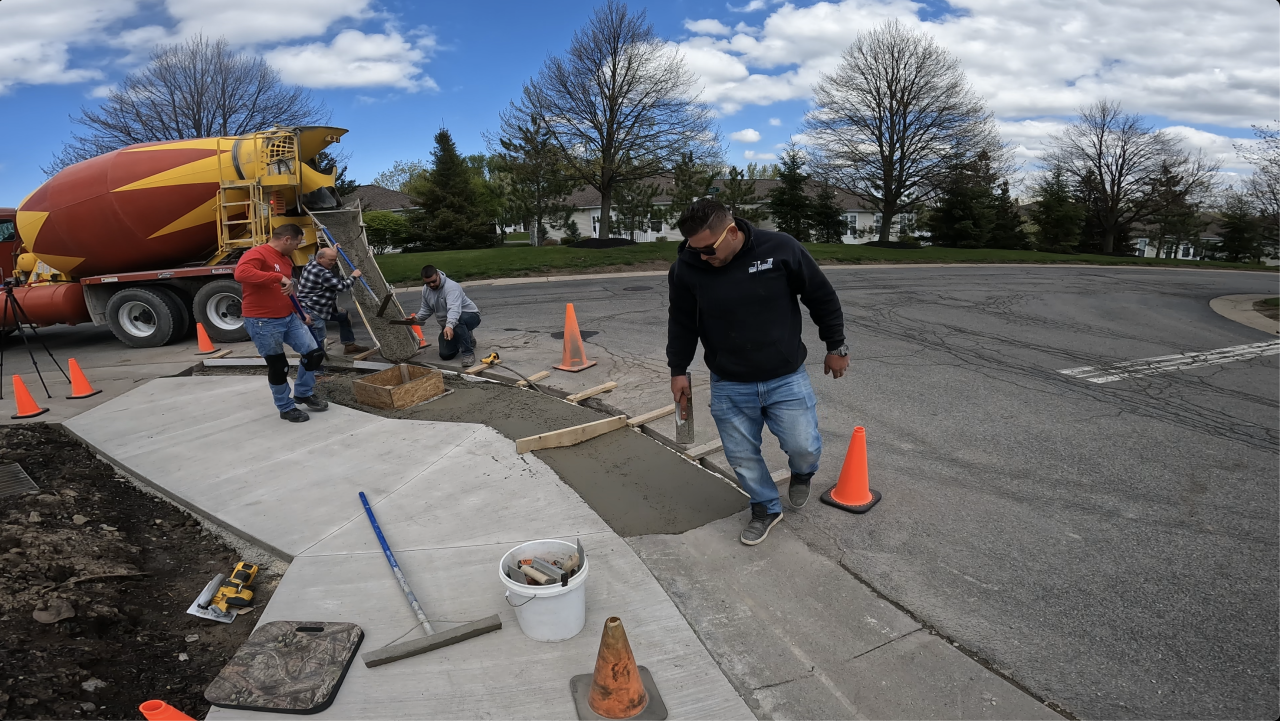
<point>735,288</point>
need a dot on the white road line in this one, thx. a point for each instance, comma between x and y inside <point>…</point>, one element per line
<point>1176,362</point>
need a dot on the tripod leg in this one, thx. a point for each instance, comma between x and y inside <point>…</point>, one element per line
<point>18,315</point>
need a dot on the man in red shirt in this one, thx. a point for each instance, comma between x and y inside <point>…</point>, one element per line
<point>265,274</point>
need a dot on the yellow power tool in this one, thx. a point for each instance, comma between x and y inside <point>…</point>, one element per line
<point>224,594</point>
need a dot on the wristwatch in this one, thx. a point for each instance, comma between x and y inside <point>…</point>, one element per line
<point>842,351</point>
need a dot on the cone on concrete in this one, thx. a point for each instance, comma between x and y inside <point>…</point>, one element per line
<point>80,387</point>
<point>852,491</point>
<point>619,689</point>
<point>27,407</point>
<point>155,710</point>
<point>575,355</point>
<point>417,331</point>
<point>206,345</point>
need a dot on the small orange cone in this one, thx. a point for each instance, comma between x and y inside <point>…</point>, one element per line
<point>27,407</point>
<point>417,330</point>
<point>80,387</point>
<point>619,689</point>
<point>160,711</point>
<point>206,345</point>
<point>575,356</point>
<point>852,492</point>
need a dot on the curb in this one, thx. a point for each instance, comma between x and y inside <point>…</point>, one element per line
<point>1239,308</point>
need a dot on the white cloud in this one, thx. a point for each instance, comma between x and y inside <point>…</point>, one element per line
<point>753,155</point>
<point>707,27</point>
<point>101,91</point>
<point>751,7</point>
<point>38,37</point>
<point>255,22</point>
<point>775,122</point>
<point>746,135</point>
<point>356,60</point>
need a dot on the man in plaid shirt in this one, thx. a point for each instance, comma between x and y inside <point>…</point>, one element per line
<point>318,290</point>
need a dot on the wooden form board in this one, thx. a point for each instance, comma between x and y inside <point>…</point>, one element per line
<point>398,387</point>
<point>475,369</point>
<point>591,392</point>
<point>364,354</point>
<point>570,436</point>
<point>705,449</point>
<point>535,378</point>
<point>651,416</point>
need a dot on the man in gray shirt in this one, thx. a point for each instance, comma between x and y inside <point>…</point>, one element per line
<point>455,312</point>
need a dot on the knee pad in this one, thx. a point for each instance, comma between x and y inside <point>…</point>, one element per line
<point>277,369</point>
<point>313,359</point>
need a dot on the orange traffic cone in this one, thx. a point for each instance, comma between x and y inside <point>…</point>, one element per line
<point>851,491</point>
<point>417,330</point>
<point>206,345</point>
<point>160,711</point>
<point>575,356</point>
<point>619,689</point>
<point>80,387</point>
<point>27,407</point>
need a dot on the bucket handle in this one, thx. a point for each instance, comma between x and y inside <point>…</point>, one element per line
<point>507,597</point>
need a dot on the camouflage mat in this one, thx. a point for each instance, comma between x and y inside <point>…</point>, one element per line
<point>287,667</point>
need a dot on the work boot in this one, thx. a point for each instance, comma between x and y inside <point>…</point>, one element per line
<point>295,415</point>
<point>354,348</point>
<point>312,402</point>
<point>761,522</point>
<point>468,359</point>
<point>798,490</point>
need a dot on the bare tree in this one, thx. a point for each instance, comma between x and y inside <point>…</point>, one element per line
<point>619,104</point>
<point>1121,159</point>
<point>895,118</point>
<point>195,89</point>
<point>1264,185</point>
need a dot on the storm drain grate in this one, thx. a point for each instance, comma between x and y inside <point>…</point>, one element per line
<point>14,480</point>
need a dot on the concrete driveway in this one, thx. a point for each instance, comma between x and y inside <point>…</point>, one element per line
<point>1109,545</point>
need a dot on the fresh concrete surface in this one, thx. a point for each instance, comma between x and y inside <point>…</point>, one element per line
<point>801,638</point>
<point>1240,309</point>
<point>1099,544</point>
<point>453,497</point>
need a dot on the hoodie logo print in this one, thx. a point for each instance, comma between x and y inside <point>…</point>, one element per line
<point>760,265</point>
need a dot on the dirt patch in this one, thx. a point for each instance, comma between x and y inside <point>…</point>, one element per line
<point>128,564</point>
<point>636,485</point>
<point>1268,307</point>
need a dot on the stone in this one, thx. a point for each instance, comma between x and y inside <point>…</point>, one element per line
<point>53,610</point>
<point>79,520</point>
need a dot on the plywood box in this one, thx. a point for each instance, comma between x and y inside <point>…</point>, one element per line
<point>399,387</point>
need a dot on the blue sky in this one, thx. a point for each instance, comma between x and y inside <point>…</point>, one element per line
<point>394,71</point>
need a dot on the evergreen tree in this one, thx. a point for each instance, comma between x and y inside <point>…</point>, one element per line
<point>1242,238</point>
<point>1007,231</point>
<point>826,217</point>
<point>767,171</point>
<point>633,204</point>
<point>788,204</point>
<point>1059,218</point>
<point>690,180</point>
<point>739,192</point>
<point>538,177</point>
<point>964,214</point>
<point>1177,221</point>
<point>452,214</point>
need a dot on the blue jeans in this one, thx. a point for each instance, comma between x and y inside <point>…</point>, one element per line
<point>345,333</point>
<point>269,336</point>
<point>463,342</point>
<point>788,405</point>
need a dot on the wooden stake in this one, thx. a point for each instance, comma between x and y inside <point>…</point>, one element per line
<point>365,354</point>
<point>535,378</point>
<point>570,436</point>
<point>651,416</point>
<point>591,392</point>
<point>221,354</point>
<point>705,449</point>
<point>475,369</point>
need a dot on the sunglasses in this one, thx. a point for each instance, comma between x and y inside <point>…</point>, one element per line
<point>708,250</point>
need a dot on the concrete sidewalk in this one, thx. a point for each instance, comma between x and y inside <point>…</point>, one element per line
<point>452,498</point>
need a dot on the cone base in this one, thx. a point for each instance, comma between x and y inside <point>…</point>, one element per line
<point>206,352</point>
<point>20,416</point>
<point>575,369</point>
<point>655,710</point>
<point>83,395</point>
<point>827,499</point>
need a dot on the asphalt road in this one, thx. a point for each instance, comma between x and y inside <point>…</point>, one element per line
<point>1113,547</point>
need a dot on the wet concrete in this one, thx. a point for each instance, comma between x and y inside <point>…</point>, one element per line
<point>637,485</point>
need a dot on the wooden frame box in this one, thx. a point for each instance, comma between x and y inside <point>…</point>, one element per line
<point>400,387</point>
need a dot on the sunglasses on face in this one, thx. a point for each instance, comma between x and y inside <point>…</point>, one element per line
<point>708,250</point>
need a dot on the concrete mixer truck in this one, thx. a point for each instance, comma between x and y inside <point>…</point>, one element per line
<point>145,239</point>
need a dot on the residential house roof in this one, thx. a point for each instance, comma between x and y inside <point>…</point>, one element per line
<point>376,197</point>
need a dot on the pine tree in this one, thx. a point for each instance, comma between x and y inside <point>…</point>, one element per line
<point>740,192</point>
<point>788,204</point>
<point>633,203</point>
<point>1007,231</point>
<point>538,177</point>
<point>1178,220</point>
<point>1058,217</point>
<point>1242,240</point>
<point>964,214</point>
<point>690,181</point>
<point>826,217</point>
<point>451,215</point>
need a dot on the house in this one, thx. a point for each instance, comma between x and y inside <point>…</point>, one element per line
<point>862,223</point>
<point>376,197</point>
<point>1146,245</point>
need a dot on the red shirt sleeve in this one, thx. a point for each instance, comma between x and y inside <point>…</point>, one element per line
<point>253,268</point>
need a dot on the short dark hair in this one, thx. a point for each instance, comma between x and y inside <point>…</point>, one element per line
<point>701,214</point>
<point>288,230</point>
<point>428,271</point>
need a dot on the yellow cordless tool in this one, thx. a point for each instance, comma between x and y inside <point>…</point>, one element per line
<point>222,595</point>
<point>491,360</point>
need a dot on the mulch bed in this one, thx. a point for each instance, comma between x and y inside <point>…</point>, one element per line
<point>128,564</point>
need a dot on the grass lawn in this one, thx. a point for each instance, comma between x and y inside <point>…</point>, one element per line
<point>1271,302</point>
<point>520,261</point>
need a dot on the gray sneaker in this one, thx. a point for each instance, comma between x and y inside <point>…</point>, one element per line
<point>798,490</point>
<point>468,359</point>
<point>295,415</point>
<point>761,522</point>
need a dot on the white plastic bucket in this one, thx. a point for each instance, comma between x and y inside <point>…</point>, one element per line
<point>547,613</point>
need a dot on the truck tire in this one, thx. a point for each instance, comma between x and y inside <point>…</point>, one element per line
<point>140,317</point>
<point>181,316</point>
<point>217,308</point>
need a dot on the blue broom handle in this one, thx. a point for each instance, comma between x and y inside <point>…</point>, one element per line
<point>334,243</point>
<point>386,551</point>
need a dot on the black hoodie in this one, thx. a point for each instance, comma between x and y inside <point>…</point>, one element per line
<point>745,312</point>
